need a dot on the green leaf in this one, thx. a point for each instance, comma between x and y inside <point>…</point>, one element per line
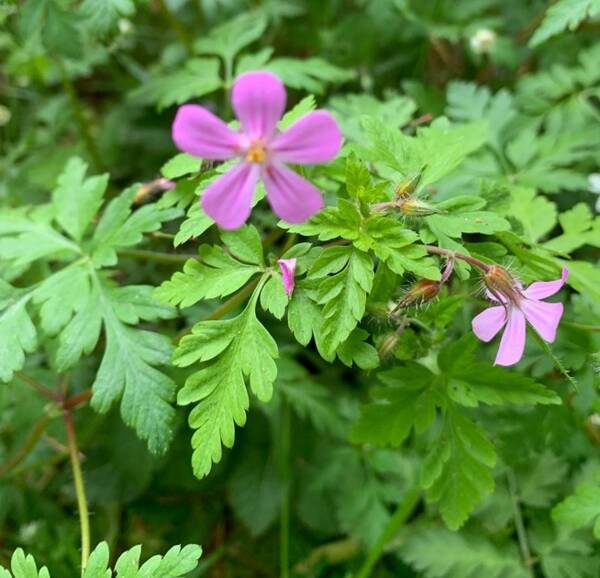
<point>196,223</point>
<point>77,199</point>
<point>217,273</point>
<point>579,228</point>
<point>127,370</point>
<point>25,567</point>
<point>102,16</point>
<point>436,150</point>
<point>198,77</point>
<point>97,565</point>
<point>310,400</point>
<point>273,297</point>
<point>344,277</point>
<point>436,553</point>
<point>580,509</point>
<point>536,214</point>
<point>407,401</point>
<point>356,350</point>
<point>60,32</point>
<point>255,491</point>
<point>306,105</point>
<point>310,74</point>
<point>121,227</point>
<point>181,165</point>
<point>235,351</point>
<point>563,15</point>
<point>457,471</point>
<point>461,214</point>
<point>228,39</point>
<point>304,315</point>
<point>470,382</point>
<point>17,332</point>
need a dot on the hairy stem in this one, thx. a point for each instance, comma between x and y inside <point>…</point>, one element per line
<point>402,513</point>
<point>82,506</point>
<point>40,388</point>
<point>454,255</point>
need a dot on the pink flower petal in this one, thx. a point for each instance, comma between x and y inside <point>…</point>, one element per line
<point>199,132</point>
<point>489,322</point>
<point>288,270</point>
<point>292,198</point>
<point>544,317</point>
<point>512,343</point>
<point>315,138</point>
<point>258,99</point>
<point>228,201</point>
<point>543,289</point>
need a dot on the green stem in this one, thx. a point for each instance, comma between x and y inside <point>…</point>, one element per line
<point>176,26</point>
<point>284,516</point>
<point>28,445</point>
<point>582,326</point>
<point>40,388</point>
<point>82,506</point>
<point>84,129</point>
<point>519,524</point>
<point>557,362</point>
<point>167,258</point>
<point>402,513</point>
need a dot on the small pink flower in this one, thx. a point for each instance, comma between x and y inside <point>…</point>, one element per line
<point>518,306</point>
<point>288,270</point>
<point>258,99</point>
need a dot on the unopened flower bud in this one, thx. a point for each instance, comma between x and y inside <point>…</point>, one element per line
<point>388,344</point>
<point>409,185</point>
<point>413,207</point>
<point>421,292</point>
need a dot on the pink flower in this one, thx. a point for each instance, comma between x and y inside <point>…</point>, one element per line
<point>288,270</point>
<point>518,306</point>
<point>258,99</point>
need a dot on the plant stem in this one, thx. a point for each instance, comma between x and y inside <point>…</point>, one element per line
<point>402,513</point>
<point>176,26</point>
<point>582,326</point>
<point>41,389</point>
<point>168,258</point>
<point>519,524</point>
<point>84,129</point>
<point>284,463</point>
<point>28,445</point>
<point>453,254</point>
<point>82,506</point>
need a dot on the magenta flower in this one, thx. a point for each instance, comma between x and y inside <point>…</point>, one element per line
<point>258,99</point>
<point>288,271</point>
<point>518,306</point>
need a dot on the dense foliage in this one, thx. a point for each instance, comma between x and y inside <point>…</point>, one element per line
<point>164,381</point>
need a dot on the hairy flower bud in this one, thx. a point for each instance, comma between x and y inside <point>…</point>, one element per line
<point>502,284</point>
<point>409,185</point>
<point>421,292</point>
<point>413,207</point>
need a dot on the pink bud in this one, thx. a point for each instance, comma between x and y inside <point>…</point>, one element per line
<point>288,270</point>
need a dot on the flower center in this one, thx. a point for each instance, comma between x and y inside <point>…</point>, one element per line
<point>257,153</point>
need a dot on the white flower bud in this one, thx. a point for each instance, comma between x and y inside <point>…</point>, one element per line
<point>483,41</point>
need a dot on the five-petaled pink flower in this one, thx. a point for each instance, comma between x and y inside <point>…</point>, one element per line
<point>517,306</point>
<point>288,272</point>
<point>258,99</point>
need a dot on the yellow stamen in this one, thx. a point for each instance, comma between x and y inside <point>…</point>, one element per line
<point>256,153</point>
